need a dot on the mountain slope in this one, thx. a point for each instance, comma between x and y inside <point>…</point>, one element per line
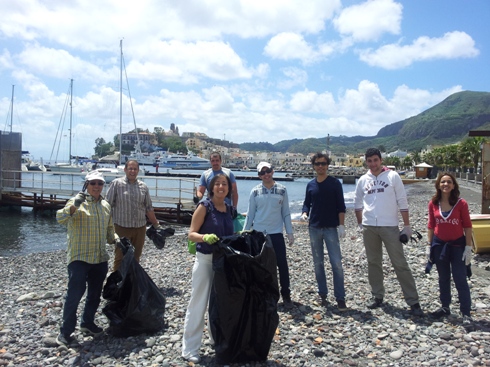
<point>447,122</point>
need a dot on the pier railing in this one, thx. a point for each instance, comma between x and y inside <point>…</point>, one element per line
<point>164,191</point>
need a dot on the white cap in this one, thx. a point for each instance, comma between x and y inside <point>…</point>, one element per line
<point>95,175</point>
<point>262,165</point>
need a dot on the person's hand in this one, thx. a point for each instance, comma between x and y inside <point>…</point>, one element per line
<point>341,231</point>
<point>359,228</point>
<point>304,217</point>
<point>157,225</point>
<point>234,212</point>
<point>290,239</point>
<point>196,199</point>
<point>79,199</point>
<point>467,255</point>
<point>427,251</point>
<point>210,238</point>
<point>407,231</point>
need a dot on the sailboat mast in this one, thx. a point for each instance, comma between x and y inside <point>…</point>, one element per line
<point>71,119</point>
<point>120,105</point>
<point>12,108</point>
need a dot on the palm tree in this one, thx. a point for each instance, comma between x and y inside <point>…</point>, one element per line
<point>471,149</point>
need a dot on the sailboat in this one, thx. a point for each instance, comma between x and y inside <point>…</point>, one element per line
<point>68,167</point>
<point>137,154</point>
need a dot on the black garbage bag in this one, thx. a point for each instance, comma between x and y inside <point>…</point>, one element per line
<point>135,304</point>
<point>158,235</point>
<point>243,302</point>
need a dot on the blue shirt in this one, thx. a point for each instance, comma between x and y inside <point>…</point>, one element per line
<point>219,223</point>
<point>268,210</point>
<point>323,202</point>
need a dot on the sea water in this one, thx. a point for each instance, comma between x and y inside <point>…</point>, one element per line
<point>24,231</point>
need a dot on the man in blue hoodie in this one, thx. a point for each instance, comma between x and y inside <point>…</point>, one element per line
<point>268,211</point>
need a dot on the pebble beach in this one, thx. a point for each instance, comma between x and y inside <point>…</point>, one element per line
<point>309,334</point>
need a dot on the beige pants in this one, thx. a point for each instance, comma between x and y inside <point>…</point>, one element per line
<point>137,238</point>
<point>374,238</point>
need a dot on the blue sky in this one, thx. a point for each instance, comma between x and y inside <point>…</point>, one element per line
<point>247,70</point>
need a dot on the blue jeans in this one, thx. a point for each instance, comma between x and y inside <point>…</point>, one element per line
<point>282,263</point>
<point>331,239</point>
<point>452,262</point>
<point>82,275</point>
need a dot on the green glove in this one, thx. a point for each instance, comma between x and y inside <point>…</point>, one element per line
<point>210,238</point>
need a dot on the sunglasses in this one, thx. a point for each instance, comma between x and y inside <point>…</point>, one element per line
<point>268,170</point>
<point>93,183</point>
<point>320,163</point>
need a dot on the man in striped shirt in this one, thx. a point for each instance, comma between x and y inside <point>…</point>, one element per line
<point>131,205</point>
<point>89,223</point>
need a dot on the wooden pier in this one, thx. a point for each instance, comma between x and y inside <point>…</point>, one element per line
<point>171,196</point>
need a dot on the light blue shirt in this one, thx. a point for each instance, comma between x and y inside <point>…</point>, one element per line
<point>268,210</point>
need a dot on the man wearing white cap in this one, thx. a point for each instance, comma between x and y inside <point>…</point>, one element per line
<point>89,223</point>
<point>268,211</point>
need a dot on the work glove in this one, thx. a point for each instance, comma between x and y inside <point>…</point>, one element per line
<point>427,251</point>
<point>304,217</point>
<point>341,231</point>
<point>210,238</point>
<point>234,212</point>
<point>467,255</point>
<point>290,239</point>
<point>359,228</point>
<point>157,225</point>
<point>196,199</point>
<point>407,231</point>
<point>79,199</point>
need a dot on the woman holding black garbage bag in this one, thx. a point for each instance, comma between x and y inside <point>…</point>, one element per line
<point>450,244</point>
<point>211,220</point>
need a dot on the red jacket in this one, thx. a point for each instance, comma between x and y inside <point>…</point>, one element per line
<point>452,226</point>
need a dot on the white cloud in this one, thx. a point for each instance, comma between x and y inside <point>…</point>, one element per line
<point>294,77</point>
<point>368,21</point>
<point>451,46</point>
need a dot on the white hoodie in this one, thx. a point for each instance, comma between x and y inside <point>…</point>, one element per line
<point>380,197</point>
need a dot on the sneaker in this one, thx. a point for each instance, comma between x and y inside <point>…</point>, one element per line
<point>441,312</point>
<point>416,310</point>
<point>66,340</point>
<point>341,305</point>
<point>194,359</point>
<point>467,320</point>
<point>323,300</point>
<point>287,302</point>
<point>91,329</point>
<point>375,303</point>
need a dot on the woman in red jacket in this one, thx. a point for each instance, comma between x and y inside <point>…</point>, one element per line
<point>449,233</point>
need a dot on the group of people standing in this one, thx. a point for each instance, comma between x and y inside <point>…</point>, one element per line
<point>379,197</point>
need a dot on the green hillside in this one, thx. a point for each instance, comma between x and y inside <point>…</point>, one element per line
<point>447,122</point>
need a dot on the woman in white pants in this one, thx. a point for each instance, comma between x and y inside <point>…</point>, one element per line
<point>211,220</point>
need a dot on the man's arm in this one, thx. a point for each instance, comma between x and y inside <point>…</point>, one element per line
<point>359,216</point>
<point>405,217</point>
<point>234,194</point>
<point>200,191</point>
<point>152,218</point>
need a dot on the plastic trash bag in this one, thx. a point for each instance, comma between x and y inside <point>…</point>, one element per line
<point>238,223</point>
<point>135,304</point>
<point>158,235</point>
<point>243,302</point>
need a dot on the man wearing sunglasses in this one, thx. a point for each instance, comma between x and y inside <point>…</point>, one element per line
<point>131,206</point>
<point>268,211</point>
<point>207,176</point>
<point>324,206</point>
<point>89,224</point>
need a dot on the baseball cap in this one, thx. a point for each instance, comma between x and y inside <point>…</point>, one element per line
<point>94,175</point>
<point>262,165</point>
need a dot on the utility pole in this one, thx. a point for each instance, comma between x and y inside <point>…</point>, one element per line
<point>485,172</point>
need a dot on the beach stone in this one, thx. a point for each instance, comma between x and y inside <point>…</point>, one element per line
<point>307,335</point>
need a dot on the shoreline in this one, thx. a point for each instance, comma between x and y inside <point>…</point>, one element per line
<point>307,335</point>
